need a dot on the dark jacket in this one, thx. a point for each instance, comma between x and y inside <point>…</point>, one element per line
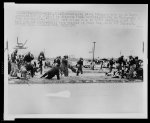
<point>132,61</point>
<point>57,61</point>
<point>41,56</point>
<point>13,57</point>
<point>64,62</point>
<point>80,63</point>
<point>111,62</point>
<point>28,57</point>
<point>120,60</point>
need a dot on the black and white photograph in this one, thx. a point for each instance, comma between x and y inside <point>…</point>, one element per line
<point>75,60</point>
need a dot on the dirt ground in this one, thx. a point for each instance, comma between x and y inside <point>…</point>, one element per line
<point>88,76</point>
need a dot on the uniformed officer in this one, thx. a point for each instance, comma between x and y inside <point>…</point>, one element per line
<point>79,66</point>
<point>27,59</point>
<point>64,65</point>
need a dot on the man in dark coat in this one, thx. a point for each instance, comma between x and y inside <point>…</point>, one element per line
<point>111,62</point>
<point>27,59</point>
<point>52,72</point>
<point>79,66</point>
<point>57,61</point>
<point>64,65</point>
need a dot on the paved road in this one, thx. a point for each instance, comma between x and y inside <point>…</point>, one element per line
<point>83,98</point>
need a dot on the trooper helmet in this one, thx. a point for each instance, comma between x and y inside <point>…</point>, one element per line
<point>81,58</point>
<point>66,56</point>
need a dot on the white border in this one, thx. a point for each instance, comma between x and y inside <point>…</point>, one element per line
<point>120,115</point>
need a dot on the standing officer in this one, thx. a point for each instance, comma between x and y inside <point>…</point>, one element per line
<point>27,59</point>
<point>64,65</point>
<point>79,66</point>
<point>41,58</point>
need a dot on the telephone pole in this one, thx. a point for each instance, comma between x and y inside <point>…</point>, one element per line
<point>93,54</point>
<point>143,47</point>
<point>93,50</point>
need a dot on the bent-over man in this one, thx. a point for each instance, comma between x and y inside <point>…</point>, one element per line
<point>52,72</point>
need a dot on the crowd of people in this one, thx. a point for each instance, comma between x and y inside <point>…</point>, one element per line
<point>126,68</point>
<point>23,65</point>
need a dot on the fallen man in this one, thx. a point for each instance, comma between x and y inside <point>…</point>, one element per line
<point>52,72</point>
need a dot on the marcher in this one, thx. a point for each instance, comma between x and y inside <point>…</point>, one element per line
<point>23,71</point>
<point>132,67</point>
<point>79,66</point>
<point>19,61</point>
<point>101,63</point>
<point>14,67</point>
<point>138,69</point>
<point>120,62</point>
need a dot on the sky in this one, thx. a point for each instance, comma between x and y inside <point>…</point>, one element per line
<point>77,40</point>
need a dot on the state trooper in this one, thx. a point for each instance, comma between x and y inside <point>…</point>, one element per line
<point>79,66</point>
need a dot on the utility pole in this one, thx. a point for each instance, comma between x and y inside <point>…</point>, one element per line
<point>143,47</point>
<point>93,54</point>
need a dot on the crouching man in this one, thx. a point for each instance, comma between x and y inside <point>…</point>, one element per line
<point>52,72</point>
